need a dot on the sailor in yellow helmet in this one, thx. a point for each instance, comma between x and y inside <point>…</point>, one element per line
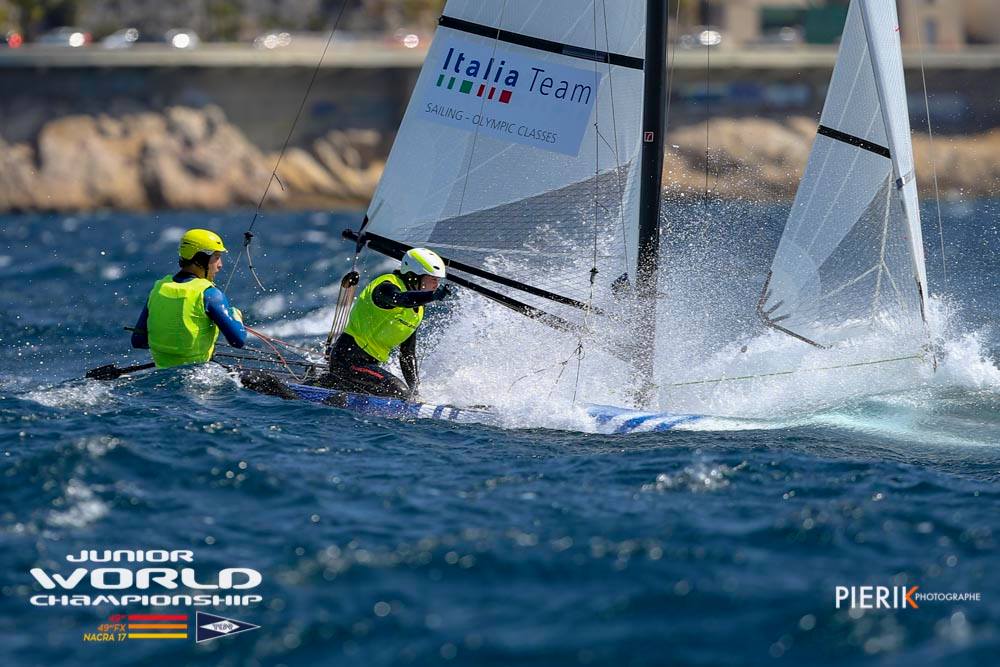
<point>185,312</point>
<point>385,317</point>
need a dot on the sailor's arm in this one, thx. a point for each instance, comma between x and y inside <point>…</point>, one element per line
<point>408,362</point>
<point>387,296</point>
<point>228,319</point>
<point>140,337</point>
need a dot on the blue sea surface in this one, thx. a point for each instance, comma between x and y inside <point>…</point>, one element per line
<point>385,542</point>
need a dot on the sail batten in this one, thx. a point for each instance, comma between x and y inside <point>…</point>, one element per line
<point>852,140</point>
<point>540,44</point>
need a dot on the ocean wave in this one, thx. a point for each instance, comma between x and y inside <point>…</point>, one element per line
<point>79,507</point>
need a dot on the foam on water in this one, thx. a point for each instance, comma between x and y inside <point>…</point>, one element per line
<point>75,395</point>
<point>478,352</point>
<point>487,353</point>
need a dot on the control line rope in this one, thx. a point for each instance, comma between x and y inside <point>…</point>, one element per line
<point>614,130</point>
<point>248,234</point>
<point>281,359</point>
<point>708,108</point>
<point>930,136</point>
<point>262,358</point>
<point>670,90</point>
<point>302,351</point>
<point>561,365</point>
<point>597,200</point>
<point>482,109</point>
<point>793,372</point>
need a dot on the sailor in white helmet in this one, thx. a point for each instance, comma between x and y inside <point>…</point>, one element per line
<point>385,317</point>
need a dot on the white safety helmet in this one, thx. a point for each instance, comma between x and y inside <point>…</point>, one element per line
<point>422,262</point>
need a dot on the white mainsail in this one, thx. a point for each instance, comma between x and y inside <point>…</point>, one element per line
<point>851,257</point>
<point>519,147</point>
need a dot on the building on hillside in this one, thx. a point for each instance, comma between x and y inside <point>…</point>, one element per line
<point>982,21</point>
<point>943,24</point>
<point>933,24</point>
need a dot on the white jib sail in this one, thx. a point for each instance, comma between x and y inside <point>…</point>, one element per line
<point>851,257</point>
<point>519,147</point>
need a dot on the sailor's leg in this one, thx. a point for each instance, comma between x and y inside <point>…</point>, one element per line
<point>364,379</point>
<point>379,382</point>
<point>352,369</point>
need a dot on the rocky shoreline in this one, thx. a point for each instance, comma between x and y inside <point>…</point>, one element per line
<point>186,158</point>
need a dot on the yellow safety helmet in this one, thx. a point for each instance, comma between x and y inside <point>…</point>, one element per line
<point>199,240</point>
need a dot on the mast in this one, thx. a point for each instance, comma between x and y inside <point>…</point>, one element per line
<point>651,180</point>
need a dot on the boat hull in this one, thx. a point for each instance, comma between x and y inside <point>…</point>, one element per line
<point>379,406</point>
<point>607,419</point>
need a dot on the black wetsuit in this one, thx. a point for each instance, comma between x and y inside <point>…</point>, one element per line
<point>353,369</point>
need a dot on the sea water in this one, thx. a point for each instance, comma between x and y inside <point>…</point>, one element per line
<point>384,542</point>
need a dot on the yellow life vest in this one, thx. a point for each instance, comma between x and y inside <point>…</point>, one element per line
<point>376,330</point>
<point>179,330</point>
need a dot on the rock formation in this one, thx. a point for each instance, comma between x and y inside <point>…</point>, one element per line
<point>761,159</point>
<point>195,159</point>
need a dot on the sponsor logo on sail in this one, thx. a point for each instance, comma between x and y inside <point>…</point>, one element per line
<point>486,85</point>
<point>496,81</point>
<point>509,94</point>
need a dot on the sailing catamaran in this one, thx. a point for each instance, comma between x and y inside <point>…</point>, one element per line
<point>536,130</point>
<point>531,158</point>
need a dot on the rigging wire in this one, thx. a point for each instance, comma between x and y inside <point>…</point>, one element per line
<point>561,365</point>
<point>248,234</point>
<point>930,135</point>
<point>670,88</point>
<point>708,125</point>
<point>708,110</point>
<point>597,204</point>
<point>276,357</point>
<point>261,358</point>
<point>578,353</point>
<point>614,129</point>
<point>482,108</point>
<point>281,359</point>
<point>304,352</point>
<point>875,362</point>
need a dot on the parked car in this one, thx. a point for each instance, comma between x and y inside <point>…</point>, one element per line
<point>65,36</point>
<point>409,39</point>
<point>128,37</point>
<point>273,40</point>
<point>11,40</point>
<point>784,36</point>
<point>700,37</point>
<point>182,38</point>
